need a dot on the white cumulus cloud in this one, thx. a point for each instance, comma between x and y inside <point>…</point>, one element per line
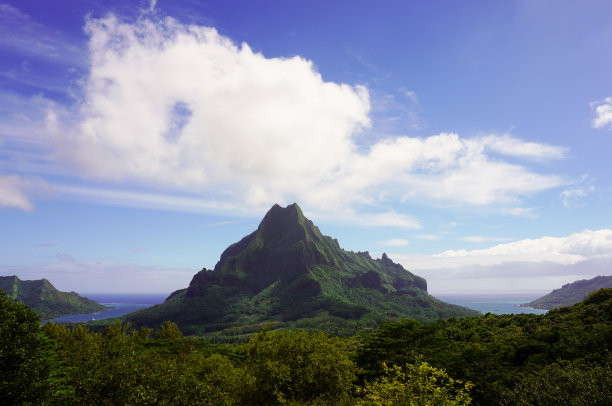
<point>260,127</point>
<point>182,108</point>
<point>568,250</point>
<point>603,113</point>
<point>530,262</point>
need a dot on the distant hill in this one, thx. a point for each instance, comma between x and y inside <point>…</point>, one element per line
<point>287,273</point>
<point>48,302</point>
<point>571,293</point>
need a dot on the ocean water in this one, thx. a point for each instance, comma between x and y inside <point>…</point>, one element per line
<point>119,304</point>
<point>501,303</point>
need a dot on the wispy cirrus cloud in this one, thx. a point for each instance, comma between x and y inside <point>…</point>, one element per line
<point>14,191</point>
<point>400,109</point>
<point>526,212</point>
<point>70,274</point>
<point>217,224</point>
<point>386,219</point>
<point>480,238</point>
<point>196,204</point>
<point>21,33</point>
<point>149,200</point>
<point>575,195</point>
<point>395,242</point>
<point>428,237</point>
<point>512,146</point>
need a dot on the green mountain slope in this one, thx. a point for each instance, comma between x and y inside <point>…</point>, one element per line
<point>48,302</point>
<point>288,273</point>
<point>571,293</point>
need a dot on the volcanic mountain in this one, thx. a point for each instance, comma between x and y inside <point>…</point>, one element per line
<point>287,273</point>
<point>43,297</point>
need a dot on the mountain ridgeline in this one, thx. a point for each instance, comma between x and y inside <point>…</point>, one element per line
<point>45,299</point>
<point>571,293</point>
<point>287,273</point>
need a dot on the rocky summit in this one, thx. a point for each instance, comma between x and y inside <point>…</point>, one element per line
<point>288,274</point>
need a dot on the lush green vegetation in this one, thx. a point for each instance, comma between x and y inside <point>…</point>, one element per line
<point>288,273</point>
<point>48,302</point>
<point>58,365</point>
<point>27,356</point>
<point>511,359</point>
<point>571,293</point>
<point>561,358</point>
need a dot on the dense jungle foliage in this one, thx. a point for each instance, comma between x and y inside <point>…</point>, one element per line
<point>561,358</point>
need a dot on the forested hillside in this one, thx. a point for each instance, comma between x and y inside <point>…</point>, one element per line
<point>43,297</point>
<point>559,358</point>
<point>571,293</point>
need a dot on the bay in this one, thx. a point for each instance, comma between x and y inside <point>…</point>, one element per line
<point>495,303</point>
<point>119,305</point>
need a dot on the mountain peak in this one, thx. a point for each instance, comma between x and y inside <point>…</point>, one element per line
<point>277,211</point>
<point>283,245</point>
<point>291,213</point>
<point>282,222</point>
<point>285,271</point>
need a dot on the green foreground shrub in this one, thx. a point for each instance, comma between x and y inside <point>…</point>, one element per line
<point>417,384</point>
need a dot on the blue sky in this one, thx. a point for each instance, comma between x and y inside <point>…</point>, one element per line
<point>468,140</point>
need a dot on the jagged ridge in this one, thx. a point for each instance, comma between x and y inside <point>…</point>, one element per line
<point>287,271</point>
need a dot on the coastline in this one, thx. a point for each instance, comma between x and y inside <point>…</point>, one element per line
<point>118,304</point>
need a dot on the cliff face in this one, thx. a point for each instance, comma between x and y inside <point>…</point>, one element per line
<point>571,293</point>
<point>285,271</point>
<point>43,297</point>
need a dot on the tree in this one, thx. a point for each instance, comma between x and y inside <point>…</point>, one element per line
<point>169,330</point>
<point>415,385</point>
<point>565,383</point>
<point>298,366</point>
<point>26,355</point>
